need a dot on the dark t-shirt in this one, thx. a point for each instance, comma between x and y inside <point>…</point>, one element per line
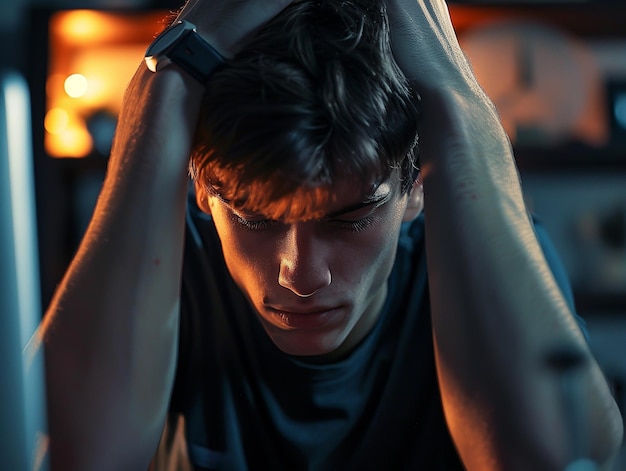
<point>239,403</point>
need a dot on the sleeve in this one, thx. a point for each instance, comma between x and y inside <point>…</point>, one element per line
<point>558,270</point>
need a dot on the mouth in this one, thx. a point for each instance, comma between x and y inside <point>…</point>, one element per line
<point>309,319</point>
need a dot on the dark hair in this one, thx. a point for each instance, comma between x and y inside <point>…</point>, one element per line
<point>313,95</point>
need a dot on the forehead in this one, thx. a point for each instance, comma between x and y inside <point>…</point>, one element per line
<point>319,201</point>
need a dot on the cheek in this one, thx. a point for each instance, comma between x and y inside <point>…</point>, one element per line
<point>247,256</point>
<point>368,258</point>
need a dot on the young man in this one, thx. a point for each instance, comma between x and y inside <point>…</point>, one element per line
<point>323,324</point>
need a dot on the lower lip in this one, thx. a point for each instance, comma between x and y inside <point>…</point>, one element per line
<point>310,321</point>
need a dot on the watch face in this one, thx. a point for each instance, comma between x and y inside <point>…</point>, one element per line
<point>182,45</point>
<point>166,39</point>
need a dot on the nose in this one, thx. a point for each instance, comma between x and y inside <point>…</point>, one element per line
<point>303,266</point>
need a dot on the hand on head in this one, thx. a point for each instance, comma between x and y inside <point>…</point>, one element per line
<point>425,44</point>
<point>423,37</point>
<point>224,23</point>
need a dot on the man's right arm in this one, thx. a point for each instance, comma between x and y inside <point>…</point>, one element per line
<point>110,333</point>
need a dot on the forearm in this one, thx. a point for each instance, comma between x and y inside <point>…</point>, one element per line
<point>110,333</point>
<point>497,311</point>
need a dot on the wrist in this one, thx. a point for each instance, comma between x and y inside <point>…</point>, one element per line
<point>158,114</point>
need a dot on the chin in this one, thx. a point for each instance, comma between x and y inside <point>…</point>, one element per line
<point>307,344</point>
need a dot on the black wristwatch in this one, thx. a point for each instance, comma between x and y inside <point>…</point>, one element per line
<point>182,45</point>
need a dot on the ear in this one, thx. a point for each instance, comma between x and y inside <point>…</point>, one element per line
<point>202,199</point>
<point>415,202</point>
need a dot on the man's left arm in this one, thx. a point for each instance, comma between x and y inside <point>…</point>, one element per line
<point>500,322</point>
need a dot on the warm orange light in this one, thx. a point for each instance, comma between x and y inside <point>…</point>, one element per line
<point>84,26</point>
<point>56,121</point>
<point>75,85</point>
<point>107,70</point>
<point>93,55</point>
<point>73,142</point>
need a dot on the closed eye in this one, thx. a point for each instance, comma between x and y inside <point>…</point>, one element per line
<point>251,223</point>
<point>353,220</point>
<point>356,225</point>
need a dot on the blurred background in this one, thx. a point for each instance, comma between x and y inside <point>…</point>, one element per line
<point>556,70</point>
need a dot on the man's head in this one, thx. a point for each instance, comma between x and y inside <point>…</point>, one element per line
<point>312,97</point>
<point>305,158</point>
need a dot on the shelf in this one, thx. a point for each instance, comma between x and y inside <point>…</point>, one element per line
<point>604,19</point>
<point>571,157</point>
